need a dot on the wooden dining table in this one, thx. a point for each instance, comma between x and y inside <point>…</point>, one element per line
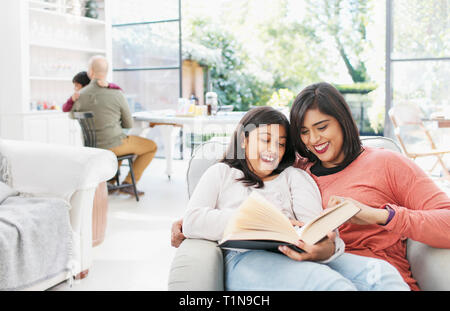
<point>167,121</point>
<point>442,122</point>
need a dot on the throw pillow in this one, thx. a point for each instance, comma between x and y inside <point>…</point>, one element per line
<point>6,191</point>
<point>4,170</point>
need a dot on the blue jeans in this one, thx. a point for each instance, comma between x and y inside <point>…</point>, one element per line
<point>264,270</point>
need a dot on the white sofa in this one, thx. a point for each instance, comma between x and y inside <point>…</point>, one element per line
<point>70,173</point>
<point>198,264</point>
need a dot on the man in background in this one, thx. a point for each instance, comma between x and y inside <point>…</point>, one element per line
<point>111,117</point>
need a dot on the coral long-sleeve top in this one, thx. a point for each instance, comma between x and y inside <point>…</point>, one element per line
<point>379,177</point>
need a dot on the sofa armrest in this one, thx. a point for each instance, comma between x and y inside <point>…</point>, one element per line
<point>197,266</point>
<point>81,223</point>
<point>56,170</point>
<point>429,266</point>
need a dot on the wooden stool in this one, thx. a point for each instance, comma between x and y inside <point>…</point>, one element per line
<point>99,214</point>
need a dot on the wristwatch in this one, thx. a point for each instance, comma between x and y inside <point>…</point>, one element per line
<point>391,213</point>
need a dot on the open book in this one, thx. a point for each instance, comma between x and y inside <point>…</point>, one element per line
<point>257,224</point>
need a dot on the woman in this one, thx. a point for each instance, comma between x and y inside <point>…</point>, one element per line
<point>260,158</point>
<point>398,200</point>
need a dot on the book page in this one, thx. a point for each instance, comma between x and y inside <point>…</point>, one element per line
<point>318,228</point>
<point>257,219</point>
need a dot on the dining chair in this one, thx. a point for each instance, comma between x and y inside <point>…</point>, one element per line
<point>87,124</point>
<point>407,116</point>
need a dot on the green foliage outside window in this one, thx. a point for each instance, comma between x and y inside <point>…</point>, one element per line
<point>356,88</point>
<point>292,51</point>
<point>281,98</point>
<point>232,82</point>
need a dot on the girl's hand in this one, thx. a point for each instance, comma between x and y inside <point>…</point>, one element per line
<point>317,252</point>
<point>367,216</point>
<point>102,83</point>
<point>75,96</point>
<point>177,235</point>
<point>296,222</point>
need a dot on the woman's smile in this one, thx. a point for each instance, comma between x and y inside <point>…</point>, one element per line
<point>322,135</point>
<point>322,148</point>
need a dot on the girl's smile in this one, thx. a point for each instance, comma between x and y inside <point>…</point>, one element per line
<point>268,157</point>
<point>264,149</point>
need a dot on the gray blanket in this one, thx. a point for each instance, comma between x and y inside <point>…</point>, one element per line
<point>35,239</point>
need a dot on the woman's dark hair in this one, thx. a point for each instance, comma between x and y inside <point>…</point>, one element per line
<point>328,100</point>
<point>235,155</point>
<point>81,78</point>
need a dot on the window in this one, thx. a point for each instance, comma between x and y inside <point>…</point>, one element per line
<point>418,54</point>
<point>146,42</point>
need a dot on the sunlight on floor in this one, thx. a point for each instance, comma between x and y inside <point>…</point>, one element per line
<point>136,253</point>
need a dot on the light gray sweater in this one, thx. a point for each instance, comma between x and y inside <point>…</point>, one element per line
<point>218,195</point>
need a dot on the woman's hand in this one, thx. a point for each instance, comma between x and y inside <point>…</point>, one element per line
<point>322,250</point>
<point>177,235</point>
<point>367,216</point>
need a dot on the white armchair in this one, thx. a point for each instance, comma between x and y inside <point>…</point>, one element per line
<point>198,264</point>
<point>70,173</point>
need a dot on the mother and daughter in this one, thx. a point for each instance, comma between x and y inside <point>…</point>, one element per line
<point>397,200</point>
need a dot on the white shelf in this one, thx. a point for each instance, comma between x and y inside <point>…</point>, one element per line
<point>39,112</point>
<point>42,4</point>
<point>47,43</point>
<point>67,48</point>
<point>69,18</point>
<point>46,111</point>
<point>41,78</point>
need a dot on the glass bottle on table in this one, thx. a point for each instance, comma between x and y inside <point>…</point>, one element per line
<point>211,102</point>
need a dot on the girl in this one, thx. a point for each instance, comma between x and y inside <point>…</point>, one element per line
<point>259,158</point>
<point>80,80</point>
<point>397,199</point>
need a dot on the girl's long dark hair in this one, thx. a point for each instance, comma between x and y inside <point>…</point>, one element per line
<point>328,100</point>
<point>235,155</point>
